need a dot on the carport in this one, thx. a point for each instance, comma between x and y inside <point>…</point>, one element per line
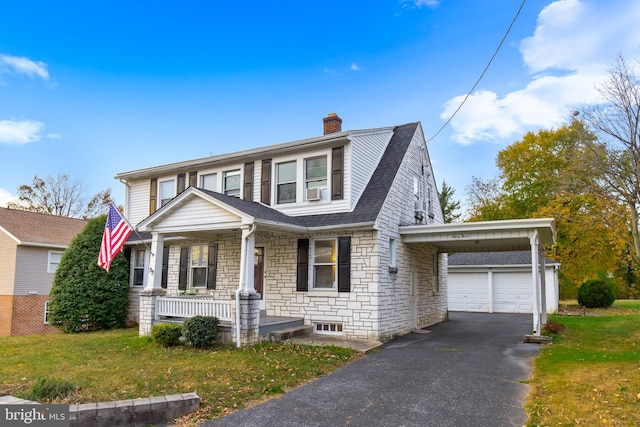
<point>508,235</point>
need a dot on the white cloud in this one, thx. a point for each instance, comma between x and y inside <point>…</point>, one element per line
<point>20,132</point>
<point>54,135</point>
<point>574,43</point>
<point>24,65</point>
<point>6,197</point>
<point>419,3</point>
<point>354,67</point>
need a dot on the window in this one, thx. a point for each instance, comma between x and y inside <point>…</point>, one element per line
<point>436,271</point>
<point>416,188</point>
<point>315,173</point>
<point>167,191</point>
<point>324,264</point>
<point>138,267</point>
<point>232,183</point>
<point>393,256</point>
<point>199,259</point>
<point>209,181</point>
<point>286,182</point>
<point>429,197</point>
<point>46,312</point>
<point>54,260</point>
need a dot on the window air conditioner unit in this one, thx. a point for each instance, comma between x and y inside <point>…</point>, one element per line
<point>313,194</point>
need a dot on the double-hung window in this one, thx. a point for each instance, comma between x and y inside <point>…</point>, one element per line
<point>138,267</point>
<point>209,181</point>
<point>167,191</point>
<point>315,174</point>
<point>232,183</point>
<point>286,182</point>
<point>324,264</point>
<point>54,260</point>
<point>199,259</point>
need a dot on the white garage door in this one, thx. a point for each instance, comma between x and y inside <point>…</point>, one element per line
<point>512,293</point>
<point>468,292</point>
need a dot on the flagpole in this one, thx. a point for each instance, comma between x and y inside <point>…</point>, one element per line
<point>134,229</point>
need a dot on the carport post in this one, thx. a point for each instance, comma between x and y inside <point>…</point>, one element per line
<point>536,282</point>
<point>543,286</point>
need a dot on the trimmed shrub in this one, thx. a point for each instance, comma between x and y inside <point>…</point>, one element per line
<point>48,389</point>
<point>595,294</point>
<point>83,296</point>
<point>200,331</point>
<point>166,334</point>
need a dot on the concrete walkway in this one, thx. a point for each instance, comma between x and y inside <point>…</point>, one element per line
<point>465,372</point>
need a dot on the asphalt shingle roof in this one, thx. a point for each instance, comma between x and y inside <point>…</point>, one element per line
<point>33,227</point>
<point>494,258</point>
<point>367,208</point>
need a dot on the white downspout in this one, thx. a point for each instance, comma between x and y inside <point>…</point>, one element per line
<point>246,233</point>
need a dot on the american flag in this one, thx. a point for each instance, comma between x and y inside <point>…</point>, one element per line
<point>116,231</point>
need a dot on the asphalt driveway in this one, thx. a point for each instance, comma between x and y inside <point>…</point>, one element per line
<point>464,372</point>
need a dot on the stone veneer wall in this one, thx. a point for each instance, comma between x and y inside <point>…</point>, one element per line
<point>395,288</point>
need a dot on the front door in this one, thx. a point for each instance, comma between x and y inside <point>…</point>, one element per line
<point>258,273</point>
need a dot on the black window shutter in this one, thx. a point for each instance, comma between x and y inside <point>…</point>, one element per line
<point>344,264</point>
<point>165,267</point>
<point>248,181</point>
<point>153,196</point>
<point>181,182</point>
<point>184,268</point>
<point>265,183</point>
<point>213,266</point>
<point>337,173</point>
<point>302,273</point>
<point>193,179</point>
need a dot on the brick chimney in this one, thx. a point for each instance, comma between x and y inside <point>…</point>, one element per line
<point>332,123</point>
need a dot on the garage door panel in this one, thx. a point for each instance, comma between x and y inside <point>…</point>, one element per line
<point>468,292</point>
<point>512,293</point>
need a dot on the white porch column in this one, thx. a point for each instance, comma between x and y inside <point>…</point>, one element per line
<point>246,260</point>
<point>154,278</point>
<point>535,276</point>
<point>543,286</point>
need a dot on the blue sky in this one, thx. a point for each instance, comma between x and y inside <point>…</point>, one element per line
<point>91,89</point>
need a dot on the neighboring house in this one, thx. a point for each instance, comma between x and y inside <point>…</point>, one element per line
<point>498,282</point>
<point>31,245</point>
<point>308,229</point>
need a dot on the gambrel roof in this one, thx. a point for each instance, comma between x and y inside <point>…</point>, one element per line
<point>37,229</point>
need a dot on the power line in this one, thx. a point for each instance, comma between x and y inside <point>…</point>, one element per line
<point>513,21</point>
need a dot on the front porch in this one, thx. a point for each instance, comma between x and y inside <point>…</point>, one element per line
<point>176,309</point>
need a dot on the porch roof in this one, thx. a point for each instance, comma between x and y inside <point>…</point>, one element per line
<point>484,236</point>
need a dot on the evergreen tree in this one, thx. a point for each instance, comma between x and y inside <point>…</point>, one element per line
<point>84,296</point>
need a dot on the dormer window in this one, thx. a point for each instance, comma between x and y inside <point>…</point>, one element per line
<point>315,170</point>
<point>209,182</point>
<point>286,182</point>
<point>232,183</point>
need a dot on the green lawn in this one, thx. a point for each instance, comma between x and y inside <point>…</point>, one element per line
<point>118,365</point>
<point>590,375</point>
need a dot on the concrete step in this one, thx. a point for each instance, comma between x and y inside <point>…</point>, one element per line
<point>288,333</point>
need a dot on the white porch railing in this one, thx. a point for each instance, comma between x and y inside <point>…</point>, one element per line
<point>189,307</point>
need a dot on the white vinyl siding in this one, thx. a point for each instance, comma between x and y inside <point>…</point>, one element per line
<point>138,201</point>
<point>198,214</point>
<point>361,159</point>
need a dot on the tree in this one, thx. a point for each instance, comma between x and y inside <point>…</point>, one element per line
<point>616,154</point>
<point>84,296</point>
<point>547,174</point>
<point>62,197</point>
<point>449,205</point>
